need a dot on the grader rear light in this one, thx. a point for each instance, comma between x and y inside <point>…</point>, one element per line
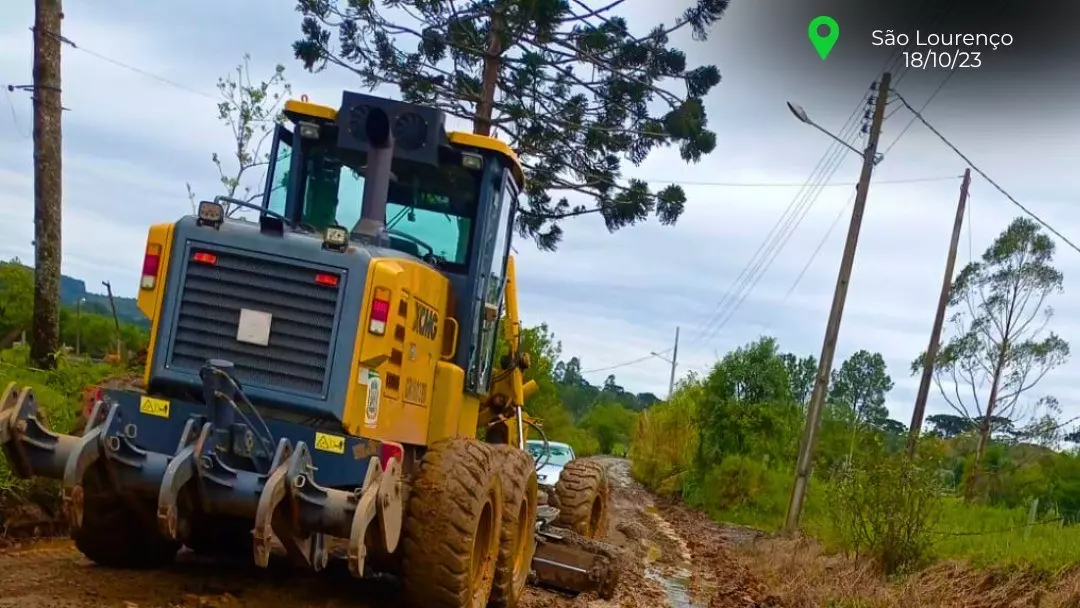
<point>204,258</point>
<point>150,265</point>
<point>326,279</point>
<point>380,311</point>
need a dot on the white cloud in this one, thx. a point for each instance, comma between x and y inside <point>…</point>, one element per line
<point>131,142</point>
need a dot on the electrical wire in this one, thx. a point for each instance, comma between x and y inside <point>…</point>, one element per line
<point>983,174</point>
<point>14,113</point>
<point>137,70</point>
<point>921,109</point>
<point>627,363</point>
<point>911,180</point>
<point>776,240</point>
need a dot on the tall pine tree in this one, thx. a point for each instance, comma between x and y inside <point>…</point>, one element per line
<point>566,84</point>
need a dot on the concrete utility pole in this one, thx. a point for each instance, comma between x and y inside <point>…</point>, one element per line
<point>832,330</point>
<point>45,331</point>
<point>939,320</point>
<point>673,361</point>
<point>674,364</point>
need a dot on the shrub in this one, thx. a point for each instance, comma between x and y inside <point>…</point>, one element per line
<point>885,507</point>
<point>741,489</point>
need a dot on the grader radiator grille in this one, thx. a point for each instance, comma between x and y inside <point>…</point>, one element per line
<point>302,302</point>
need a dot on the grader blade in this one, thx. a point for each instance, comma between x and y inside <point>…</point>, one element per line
<point>571,564</point>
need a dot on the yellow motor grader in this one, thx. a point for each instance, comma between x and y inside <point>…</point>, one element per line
<point>317,377</point>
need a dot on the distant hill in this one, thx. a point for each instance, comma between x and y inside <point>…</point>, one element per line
<point>72,290</point>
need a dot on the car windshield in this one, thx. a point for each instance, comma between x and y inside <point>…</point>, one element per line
<point>429,212</point>
<point>559,455</point>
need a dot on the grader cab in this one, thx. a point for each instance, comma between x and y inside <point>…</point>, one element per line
<point>321,372</point>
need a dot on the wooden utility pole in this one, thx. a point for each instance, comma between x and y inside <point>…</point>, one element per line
<point>836,313</point>
<point>116,321</point>
<point>45,332</point>
<point>939,320</point>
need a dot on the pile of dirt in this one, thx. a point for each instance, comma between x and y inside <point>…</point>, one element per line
<point>32,514</point>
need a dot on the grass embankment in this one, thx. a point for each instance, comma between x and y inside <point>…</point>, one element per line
<point>59,394</point>
<point>980,535</point>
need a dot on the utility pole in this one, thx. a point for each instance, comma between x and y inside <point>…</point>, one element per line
<point>78,326</point>
<point>45,330</point>
<point>674,364</point>
<point>939,320</point>
<point>116,321</point>
<point>832,329</point>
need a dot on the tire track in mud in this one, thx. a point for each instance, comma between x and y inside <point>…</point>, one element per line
<point>673,557</point>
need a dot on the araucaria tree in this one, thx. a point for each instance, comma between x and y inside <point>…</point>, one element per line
<point>566,84</point>
<point>1001,348</point>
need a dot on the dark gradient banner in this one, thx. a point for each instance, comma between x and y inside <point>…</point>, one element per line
<point>1012,48</point>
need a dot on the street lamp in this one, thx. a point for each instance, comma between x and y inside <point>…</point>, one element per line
<point>803,117</point>
<point>661,357</point>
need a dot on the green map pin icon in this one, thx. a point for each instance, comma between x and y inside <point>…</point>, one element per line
<point>823,44</point>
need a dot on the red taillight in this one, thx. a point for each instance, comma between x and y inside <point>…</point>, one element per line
<point>204,258</point>
<point>151,264</point>
<point>329,280</point>
<point>390,451</point>
<point>380,311</point>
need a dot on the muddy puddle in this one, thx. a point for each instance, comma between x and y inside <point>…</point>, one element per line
<point>675,577</point>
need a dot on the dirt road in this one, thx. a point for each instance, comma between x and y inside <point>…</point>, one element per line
<point>674,558</point>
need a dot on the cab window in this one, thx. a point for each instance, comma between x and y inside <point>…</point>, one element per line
<point>430,210</point>
<point>494,279</point>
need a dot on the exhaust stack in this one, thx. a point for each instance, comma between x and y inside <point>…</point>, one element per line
<point>380,140</point>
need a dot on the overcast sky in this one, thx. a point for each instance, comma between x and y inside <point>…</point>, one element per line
<point>131,141</point>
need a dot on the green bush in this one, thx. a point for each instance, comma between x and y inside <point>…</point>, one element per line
<point>58,393</point>
<point>886,507</point>
<point>742,485</point>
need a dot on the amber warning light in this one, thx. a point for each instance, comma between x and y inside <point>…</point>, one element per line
<point>380,311</point>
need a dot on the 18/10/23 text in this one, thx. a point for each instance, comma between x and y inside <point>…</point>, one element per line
<point>949,60</point>
<point>945,50</point>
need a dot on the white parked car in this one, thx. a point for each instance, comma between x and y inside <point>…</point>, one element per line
<point>550,461</point>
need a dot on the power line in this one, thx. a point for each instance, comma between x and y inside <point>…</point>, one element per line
<point>134,69</point>
<point>627,363</point>
<point>921,109</point>
<point>982,173</point>
<point>911,180</point>
<point>799,208</point>
<point>14,113</point>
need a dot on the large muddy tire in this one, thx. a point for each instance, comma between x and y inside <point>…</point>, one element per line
<point>115,535</point>
<point>451,536</point>
<point>581,494</point>
<point>517,540</point>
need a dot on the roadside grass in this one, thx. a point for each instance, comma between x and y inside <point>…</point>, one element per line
<point>59,394</point>
<point>982,536</point>
<point>990,536</point>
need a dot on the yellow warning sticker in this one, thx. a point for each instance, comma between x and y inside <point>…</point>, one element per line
<point>154,407</point>
<point>329,443</point>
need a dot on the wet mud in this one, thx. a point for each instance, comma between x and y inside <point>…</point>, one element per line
<point>673,557</point>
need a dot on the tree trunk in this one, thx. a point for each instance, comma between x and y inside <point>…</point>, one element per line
<point>492,65</point>
<point>47,184</point>
<point>985,428</point>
